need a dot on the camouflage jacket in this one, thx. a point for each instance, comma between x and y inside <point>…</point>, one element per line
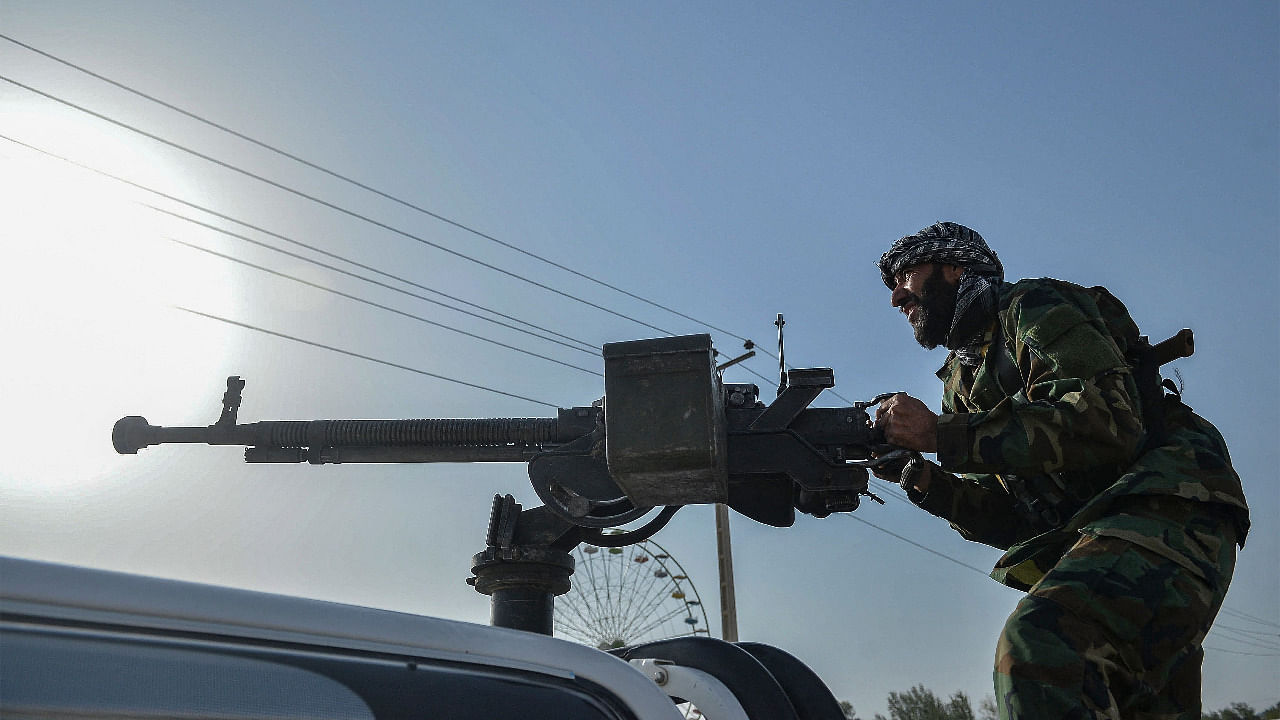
<point>1071,413</point>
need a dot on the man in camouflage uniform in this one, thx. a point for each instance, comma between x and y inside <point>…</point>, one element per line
<point>1120,517</point>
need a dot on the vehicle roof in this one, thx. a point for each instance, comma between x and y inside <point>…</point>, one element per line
<point>84,595</point>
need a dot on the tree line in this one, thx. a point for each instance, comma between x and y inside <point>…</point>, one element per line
<point>920,703</point>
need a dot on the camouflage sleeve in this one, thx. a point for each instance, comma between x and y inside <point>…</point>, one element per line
<point>977,507</point>
<point>1078,408</point>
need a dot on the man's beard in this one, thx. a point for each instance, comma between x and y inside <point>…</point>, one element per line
<point>937,308</point>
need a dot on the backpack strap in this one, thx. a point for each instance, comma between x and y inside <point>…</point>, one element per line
<point>1003,363</point>
<point>1047,501</point>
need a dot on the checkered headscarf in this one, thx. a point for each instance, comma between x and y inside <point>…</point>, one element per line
<point>976,296</point>
<point>944,242</point>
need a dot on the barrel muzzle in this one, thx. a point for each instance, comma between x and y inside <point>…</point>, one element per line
<point>130,434</point>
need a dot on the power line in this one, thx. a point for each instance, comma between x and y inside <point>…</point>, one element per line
<point>313,248</point>
<point>889,490</point>
<point>322,346</point>
<point>1269,635</point>
<point>303,258</point>
<point>1251,618</point>
<point>927,549</point>
<point>348,273</point>
<point>347,212</point>
<point>986,574</point>
<point>1247,640</point>
<point>762,377</point>
<point>368,188</point>
<point>358,276</point>
<point>363,186</point>
<point>332,206</point>
<point>383,307</point>
<point>587,347</point>
<point>1237,652</point>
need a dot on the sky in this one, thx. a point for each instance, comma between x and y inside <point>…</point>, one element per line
<point>729,161</point>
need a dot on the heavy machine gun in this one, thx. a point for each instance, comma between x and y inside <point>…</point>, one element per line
<point>668,432</point>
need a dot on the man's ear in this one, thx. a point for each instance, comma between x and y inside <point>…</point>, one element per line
<point>952,273</point>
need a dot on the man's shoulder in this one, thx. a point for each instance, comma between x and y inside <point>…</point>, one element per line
<point>1036,302</point>
<point>1045,308</point>
<point>1046,291</point>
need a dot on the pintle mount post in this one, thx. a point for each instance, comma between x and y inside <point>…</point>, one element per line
<point>782,363</point>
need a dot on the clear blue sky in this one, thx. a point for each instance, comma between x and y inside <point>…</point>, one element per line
<point>728,160</point>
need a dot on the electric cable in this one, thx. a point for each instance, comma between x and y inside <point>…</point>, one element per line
<point>985,574</point>
<point>927,549</point>
<point>332,206</point>
<point>368,188</point>
<point>1267,635</point>
<point>388,363</point>
<point>313,248</point>
<point>841,397</point>
<point>770,381</point>
<point>1225,634</point>
<point>371,220</point>
<point>1237,652</point>
<point>587,347</point>
<point>888,489</point>
<point>1252,618</point>
<point>381,306</point>
<point>388,196</point>
<point>358,276</point>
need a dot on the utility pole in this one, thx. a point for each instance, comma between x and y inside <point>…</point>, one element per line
<point>728,599</point>
<point>728,602</point>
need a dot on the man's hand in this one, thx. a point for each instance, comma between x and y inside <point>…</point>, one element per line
<point>912,472</point>
<point>908,423</point>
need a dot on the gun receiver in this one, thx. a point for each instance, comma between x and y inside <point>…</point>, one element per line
<point>668,432</point>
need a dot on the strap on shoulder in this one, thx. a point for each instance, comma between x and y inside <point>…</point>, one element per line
<point>1005,367</point>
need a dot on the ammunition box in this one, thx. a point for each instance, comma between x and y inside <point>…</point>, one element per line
<point>665,435</point>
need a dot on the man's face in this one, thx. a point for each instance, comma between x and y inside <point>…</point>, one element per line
<point>926,294</point>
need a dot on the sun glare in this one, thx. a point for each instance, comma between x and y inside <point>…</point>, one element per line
<point>88,284</point>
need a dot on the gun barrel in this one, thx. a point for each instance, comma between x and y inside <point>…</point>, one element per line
<point>396,454</point>
<point>134,433</point>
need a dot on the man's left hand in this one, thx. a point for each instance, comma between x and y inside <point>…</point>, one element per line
<point>908,423</point>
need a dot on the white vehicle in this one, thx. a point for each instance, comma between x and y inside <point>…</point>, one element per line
<point>82,643</point>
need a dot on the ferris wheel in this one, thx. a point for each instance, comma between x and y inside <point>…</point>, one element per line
<point>627,595</point>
